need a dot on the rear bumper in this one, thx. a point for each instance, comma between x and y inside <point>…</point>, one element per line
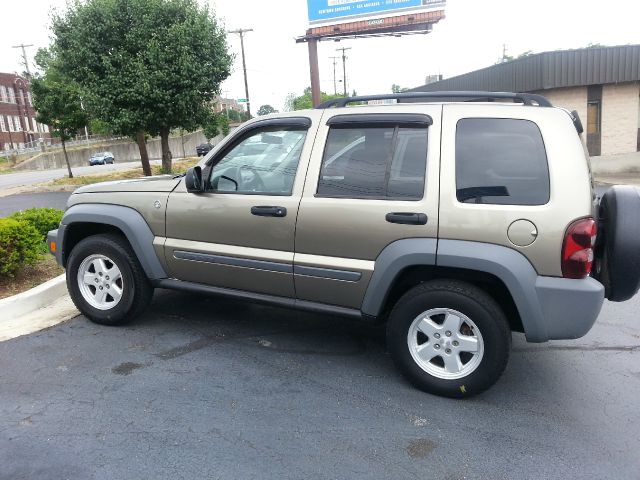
<point>568,308</point>
<point>550,308</point>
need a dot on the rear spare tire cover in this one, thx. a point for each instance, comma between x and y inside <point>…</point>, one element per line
<point>618,246</point>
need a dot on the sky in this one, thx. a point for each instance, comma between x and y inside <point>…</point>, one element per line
<point>470,37</point>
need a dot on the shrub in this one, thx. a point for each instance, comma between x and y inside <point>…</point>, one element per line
<point>20,244</point>
<point>42,219</point>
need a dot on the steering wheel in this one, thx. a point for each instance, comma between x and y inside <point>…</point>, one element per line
<point>257,183</point>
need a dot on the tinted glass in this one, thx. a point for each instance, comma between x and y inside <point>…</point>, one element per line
<point>408,167</point>
<point>501,161</point>
<point>374,162</point>
<point>265,162</point>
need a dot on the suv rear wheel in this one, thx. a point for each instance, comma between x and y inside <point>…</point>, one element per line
<point>449,338</point>
<point>106,282</point>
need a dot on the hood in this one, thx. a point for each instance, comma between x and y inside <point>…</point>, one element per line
<point>159,183</point>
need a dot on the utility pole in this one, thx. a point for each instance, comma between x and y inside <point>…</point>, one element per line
<point>314,71</point>
<point>24,57</point>
<point>335,89</point>
<point>241,32</point>
<point>344,67</point>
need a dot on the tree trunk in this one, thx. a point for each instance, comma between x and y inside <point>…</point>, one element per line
<point>66,158</point>
<point>166,153</point>
<point>144,155</point>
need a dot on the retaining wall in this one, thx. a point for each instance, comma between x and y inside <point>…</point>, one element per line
<point>122,151</point>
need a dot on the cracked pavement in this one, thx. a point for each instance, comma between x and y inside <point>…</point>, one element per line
<point>210,388</point>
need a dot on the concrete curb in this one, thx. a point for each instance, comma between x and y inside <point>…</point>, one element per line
<point>37,309</point>
<point>34,299</point>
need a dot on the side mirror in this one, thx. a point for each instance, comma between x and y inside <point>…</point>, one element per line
<point>193,180</point>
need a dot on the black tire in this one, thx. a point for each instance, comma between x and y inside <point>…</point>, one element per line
<point>472,302</point>
<point>617,263</point>
<point>137,291</point>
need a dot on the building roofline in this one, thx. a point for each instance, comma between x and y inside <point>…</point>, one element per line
<point>551,69</point>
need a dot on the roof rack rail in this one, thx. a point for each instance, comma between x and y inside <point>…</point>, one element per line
<point>529,99</point>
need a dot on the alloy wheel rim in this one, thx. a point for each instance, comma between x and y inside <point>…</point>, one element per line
<point>445,343</point>
<point>100,282</point>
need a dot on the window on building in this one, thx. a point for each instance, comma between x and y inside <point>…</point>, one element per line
<point>593,117</point>
<point>501,161</point>
<point>3,94</point>
<point>3,127</point>
<point>26,124</point>
<point>34,124</point>
<point>16,121</point>
<point>386,162</point>
<point>12,95</point>
<point>30,99</point>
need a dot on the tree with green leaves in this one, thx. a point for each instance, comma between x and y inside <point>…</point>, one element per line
<point>266,110</point>
<point>59,105</point>
<point>145,66</point>
<point>398,89</point>
<point>304,101</point>
<point>216,123</point>
<point>234,116</point>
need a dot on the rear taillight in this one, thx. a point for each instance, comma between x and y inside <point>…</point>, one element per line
<point>577,249</point>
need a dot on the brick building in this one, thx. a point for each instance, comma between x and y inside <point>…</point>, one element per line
<point>601,83</point>
<point>18,126</point>
<point>224,104</point>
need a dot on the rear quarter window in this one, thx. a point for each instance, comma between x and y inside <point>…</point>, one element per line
<point>501,161</point>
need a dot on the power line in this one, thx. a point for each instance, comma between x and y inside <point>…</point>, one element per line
<point>241,32</point>
<point>344,67</point>
<point>24,56</point>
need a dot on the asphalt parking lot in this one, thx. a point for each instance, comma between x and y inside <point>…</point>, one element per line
<point>209,388</point>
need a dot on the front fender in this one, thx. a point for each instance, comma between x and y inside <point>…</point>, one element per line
<point>127,220</point>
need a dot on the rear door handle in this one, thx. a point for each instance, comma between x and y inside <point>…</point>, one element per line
<point>268,211</point>
<point>407,218</point>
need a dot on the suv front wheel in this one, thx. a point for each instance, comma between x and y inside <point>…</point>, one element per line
<point>105,280</point>
<point>449,338</point>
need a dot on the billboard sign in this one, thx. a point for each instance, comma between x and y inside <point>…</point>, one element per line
<point>338,11</point>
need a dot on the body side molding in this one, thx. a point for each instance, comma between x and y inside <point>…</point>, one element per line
<point>234,261</point>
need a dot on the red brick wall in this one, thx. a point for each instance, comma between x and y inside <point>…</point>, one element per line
<point>14,107</point>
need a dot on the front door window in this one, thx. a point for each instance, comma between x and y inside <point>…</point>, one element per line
<point>264,162</point>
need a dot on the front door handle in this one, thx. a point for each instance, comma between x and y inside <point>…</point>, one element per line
<point>268,211</point>
<point>407,218</point>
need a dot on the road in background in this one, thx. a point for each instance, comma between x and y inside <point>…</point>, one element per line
<point>14,203</point>
<point>31,177</point>
<point>202,387</point>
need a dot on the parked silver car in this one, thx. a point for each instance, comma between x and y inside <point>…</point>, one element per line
<point>101,158</point>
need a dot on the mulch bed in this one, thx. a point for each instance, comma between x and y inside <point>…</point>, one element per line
<point>30,276</point>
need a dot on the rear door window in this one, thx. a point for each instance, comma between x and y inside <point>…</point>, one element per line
<point>501,161</point>
<point>383,162</point>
